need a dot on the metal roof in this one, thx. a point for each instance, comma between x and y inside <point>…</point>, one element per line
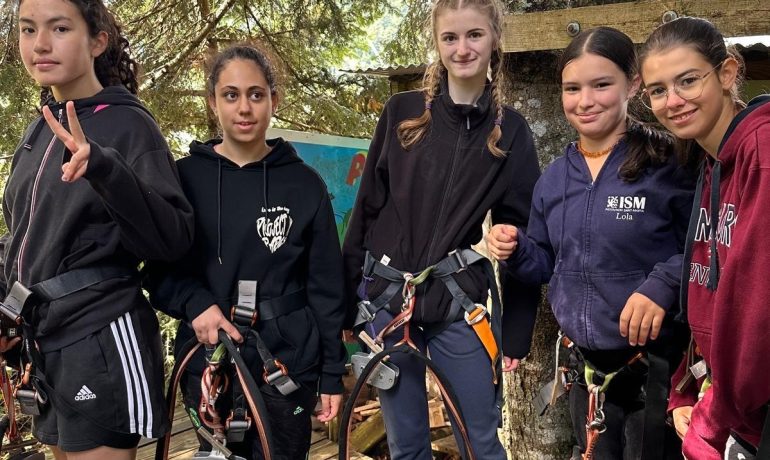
<point>413,69</point>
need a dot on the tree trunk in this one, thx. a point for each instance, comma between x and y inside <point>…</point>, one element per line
<point>526,435</point>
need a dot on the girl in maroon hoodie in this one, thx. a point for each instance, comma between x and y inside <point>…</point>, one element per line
<point>691,84</point>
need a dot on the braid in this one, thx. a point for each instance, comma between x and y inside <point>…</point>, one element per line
<point>497,97</point>
<point>412,130</point>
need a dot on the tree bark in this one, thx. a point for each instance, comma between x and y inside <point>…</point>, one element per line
<point>526,435</point>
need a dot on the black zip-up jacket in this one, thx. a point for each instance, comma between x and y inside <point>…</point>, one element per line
<point>416,206</point>
<point>270,221</point>
<point>128,207</point>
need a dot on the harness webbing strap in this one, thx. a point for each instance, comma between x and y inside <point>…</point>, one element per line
<point>443,384</point>
<point>488,332</point>
<point>252,395</point>
<point>656,402</point>
<point>55,288</point>
<point>78,279</point>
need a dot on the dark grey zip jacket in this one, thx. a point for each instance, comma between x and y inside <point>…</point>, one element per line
<point>416,206</point>
<point>128,207</point>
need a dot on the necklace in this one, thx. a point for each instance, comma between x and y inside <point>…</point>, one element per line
<point>598,154</point>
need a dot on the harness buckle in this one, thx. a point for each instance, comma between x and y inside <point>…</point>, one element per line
<point>244,316</point>
<point>14,302</point>
<point>363,309</point>
<point>476,316</point>
<point>457,256</point>
<point>29,400</point>
<point>237,424</point>
<point>277,375</point>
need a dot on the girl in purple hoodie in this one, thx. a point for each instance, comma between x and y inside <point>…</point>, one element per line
<point>607,229</point>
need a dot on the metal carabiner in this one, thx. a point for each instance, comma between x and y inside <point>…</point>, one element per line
<point>407,292</point>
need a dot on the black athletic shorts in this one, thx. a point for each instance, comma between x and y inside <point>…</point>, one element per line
<point>114,377</point>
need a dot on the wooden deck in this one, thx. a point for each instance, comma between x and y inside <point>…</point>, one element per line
<point>184,443</point>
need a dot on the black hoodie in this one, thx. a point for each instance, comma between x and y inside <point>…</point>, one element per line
<point>128,207</point>
<point>269,221</point>
<point>417,205</point>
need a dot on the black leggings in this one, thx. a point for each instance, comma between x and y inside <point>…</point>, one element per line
<point>624,415</point>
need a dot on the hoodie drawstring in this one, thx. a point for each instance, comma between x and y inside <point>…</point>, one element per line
<point>264,189</point>
<point>716,177</point>
<point>219,211</point>
<point>688,243</point>
<point>563,211</point>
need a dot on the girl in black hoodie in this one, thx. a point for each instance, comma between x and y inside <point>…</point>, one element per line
<point>265,227</point>
<point>93,191</point>
<point>440,160</point>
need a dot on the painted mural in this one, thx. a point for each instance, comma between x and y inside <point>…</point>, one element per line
<point>339,160</point>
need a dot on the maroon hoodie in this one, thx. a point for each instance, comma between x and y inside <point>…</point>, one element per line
<point>729,295</point>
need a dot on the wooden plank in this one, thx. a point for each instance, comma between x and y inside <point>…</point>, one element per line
<point>547,30</point>
<point>368,433</point>
<point>324,450</point>
<point>446,445</point>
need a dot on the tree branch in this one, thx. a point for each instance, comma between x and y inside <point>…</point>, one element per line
<point>305,126</point>
<point>178,60</point>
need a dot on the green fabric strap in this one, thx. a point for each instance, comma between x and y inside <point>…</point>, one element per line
<point>589,376</point>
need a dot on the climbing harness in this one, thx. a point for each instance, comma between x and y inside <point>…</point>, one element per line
<point>374,368</point>
<point>33,390</point>
<point>207,415</point>
<point>567,372</point>
<point>248,408</point>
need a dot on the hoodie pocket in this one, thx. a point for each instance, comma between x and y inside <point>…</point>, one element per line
<point>294,340</point>
<point>612,291</point>
<point>91,244</point>
<point>566,294</point>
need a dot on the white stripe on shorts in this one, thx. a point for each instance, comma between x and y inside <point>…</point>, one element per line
<point>133,372</point>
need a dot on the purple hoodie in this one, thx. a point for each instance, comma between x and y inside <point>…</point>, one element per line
<point>597,242</point>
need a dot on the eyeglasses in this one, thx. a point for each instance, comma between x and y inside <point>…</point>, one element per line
<point>687,87</point>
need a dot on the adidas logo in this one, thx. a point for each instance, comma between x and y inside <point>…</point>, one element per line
<point>85,394</point>
<point>298,410</point>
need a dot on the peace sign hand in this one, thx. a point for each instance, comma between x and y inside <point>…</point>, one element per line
<point>74,140</point>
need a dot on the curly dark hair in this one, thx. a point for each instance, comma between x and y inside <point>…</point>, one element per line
<point>114,66</point>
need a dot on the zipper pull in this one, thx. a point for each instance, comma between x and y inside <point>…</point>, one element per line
<point>468,122</point>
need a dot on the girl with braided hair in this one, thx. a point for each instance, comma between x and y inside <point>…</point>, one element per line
<point>93,192</point>
<point>441,158</point>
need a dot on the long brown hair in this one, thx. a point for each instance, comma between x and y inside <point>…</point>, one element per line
<point>413,130</point>
<point>702,37</point>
